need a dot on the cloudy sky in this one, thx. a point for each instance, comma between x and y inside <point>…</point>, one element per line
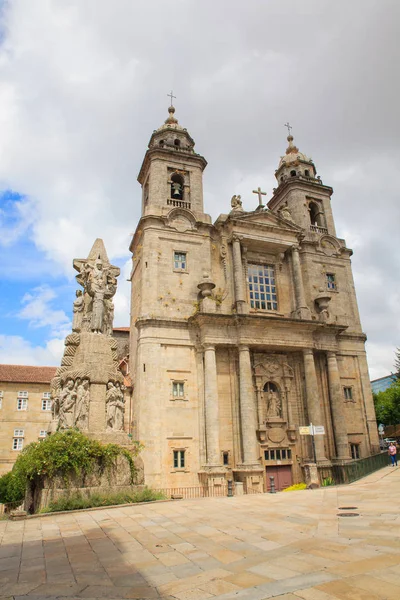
<point>83,83</point>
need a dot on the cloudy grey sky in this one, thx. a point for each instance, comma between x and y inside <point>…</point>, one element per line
<point>83,83</point>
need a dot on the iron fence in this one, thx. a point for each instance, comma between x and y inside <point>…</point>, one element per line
<point>351,471</point>
<point>198,491</point>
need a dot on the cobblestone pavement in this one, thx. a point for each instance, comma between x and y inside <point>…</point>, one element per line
<point>289,546</point>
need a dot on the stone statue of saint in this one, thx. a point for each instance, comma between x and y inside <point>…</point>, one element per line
<point>119,408</point>
<point>82,403</point>
<point>79,305</point>
<point>274,404</point>
<point>97,281</point>
<point>115,407</point>
<point>108,316</point>
<point>236,204</point>
<point>285,213</point>
<point>67,405</point>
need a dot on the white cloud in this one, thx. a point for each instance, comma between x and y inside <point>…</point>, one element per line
<point>15,350</point>
<point>38,310</point>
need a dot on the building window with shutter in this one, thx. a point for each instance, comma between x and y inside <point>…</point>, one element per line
<point>179,459</point>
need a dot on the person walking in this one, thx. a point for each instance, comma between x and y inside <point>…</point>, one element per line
<point>392,451</point>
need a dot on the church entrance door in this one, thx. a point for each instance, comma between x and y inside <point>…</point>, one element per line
<point>282,475</point>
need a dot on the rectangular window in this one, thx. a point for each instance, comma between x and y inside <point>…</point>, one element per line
<point>46,404</point>
<point>18,443</point>
<point>225,456</point>
<point>178,389</point>
<point>23,394</point>
<point>46,395</point>
<point>180,262</point>
<point>22,404</point>
<point>283,454</point>
<point>179,459</point>
<point>348,393</point>
<point>42,433</point>
<point>1,399</point>
<point>272,454</point>
<point>278,454</point>
<point>355,451</point>
<point>331,281</point>
<point>18,433</point>
<point>262,287</point>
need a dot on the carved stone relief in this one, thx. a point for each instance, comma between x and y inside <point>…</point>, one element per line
<point>115,406</point>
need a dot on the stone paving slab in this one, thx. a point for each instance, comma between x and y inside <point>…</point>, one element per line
<point>290,546</point>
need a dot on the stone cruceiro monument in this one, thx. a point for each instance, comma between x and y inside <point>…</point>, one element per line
<point>88,390</point>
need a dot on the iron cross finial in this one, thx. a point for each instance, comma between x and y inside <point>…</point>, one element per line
<point>171,95</point>
<point>289,127</point>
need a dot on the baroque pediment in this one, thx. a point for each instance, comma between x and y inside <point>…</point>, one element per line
<point>264,219</point>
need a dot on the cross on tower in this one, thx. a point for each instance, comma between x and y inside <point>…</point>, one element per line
<point>289,127</point>
<point>259,194</point>
<point>171,95</point>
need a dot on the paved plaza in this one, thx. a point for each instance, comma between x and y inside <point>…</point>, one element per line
<point>289,546</point>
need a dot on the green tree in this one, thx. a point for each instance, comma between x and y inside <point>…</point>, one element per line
<point>387,405</point>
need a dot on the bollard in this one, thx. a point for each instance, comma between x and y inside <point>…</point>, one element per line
<point>272,481</point>
<point>230,488</point>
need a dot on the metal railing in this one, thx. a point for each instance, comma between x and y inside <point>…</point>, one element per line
<point>351,471</point>
<point>198,491</point>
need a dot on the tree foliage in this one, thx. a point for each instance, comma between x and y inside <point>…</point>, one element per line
<point>387,405</point>
<point>62,454</point>
<point>397,363</point>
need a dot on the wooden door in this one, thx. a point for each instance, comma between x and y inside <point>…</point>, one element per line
<point>282,475</point>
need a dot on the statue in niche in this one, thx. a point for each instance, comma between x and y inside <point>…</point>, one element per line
<point>115,407</point>
<point>79,305</point>
<point>82,404</point>
<point>236,204</point>
<point>67,405</point>
<point>97,287</point>
<point>274,402</point>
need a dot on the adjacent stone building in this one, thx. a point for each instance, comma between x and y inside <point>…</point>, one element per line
<point>244,329</point>
<point>25,409</point>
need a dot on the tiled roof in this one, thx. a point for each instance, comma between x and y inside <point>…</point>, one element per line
<point>25,374</point>
<point>121,328</point>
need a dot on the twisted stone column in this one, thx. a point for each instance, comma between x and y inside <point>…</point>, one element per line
<point>302,311</point>
<point>240,296</point>
<point>248,412</point>
<point>338,416</point>
<point>313,404</point>
<point>211,406</point>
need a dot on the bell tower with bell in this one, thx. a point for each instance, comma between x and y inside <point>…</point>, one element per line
<point>171,172</point>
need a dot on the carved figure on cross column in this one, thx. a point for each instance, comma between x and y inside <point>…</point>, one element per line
<point>115,407</point>
<point>79,305</point>
<point>82,403</point>
<point>67,405</point>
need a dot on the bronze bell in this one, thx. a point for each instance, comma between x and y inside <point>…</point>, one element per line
<point>176,189</point>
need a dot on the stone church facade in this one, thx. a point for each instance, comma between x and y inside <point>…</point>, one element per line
<point>242,330</point>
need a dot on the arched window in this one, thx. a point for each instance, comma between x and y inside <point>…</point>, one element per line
<point>282,178</point>
<point>273,400</point>
<point>177,142</point>
<point>307,173</point>
<point>316,215</point>
<point>161,143</point>
<point>176,187</point>
<point>293,173</point>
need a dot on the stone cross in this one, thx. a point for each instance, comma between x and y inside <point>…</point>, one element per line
<point>289,127</point>
<point>171,95</point>
<point>259,194</point>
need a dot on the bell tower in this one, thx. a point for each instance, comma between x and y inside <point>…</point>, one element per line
<point>302,193</point>
<point>171,172</point>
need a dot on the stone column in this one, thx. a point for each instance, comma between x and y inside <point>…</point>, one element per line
<point>211,406</point>
<point>240,297</point>
<point>313,404</point>
<point>302,311</point>
<point>338,416</point>
<point>248,413</point>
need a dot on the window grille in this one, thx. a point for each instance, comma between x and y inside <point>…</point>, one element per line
<point>262,287</point>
